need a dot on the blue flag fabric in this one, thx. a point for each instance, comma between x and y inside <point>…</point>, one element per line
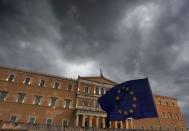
<point>131,99</point>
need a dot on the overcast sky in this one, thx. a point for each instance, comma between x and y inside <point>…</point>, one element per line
<point>128,39</point>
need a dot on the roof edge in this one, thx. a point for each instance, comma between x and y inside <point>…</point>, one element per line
<point>37,73</point>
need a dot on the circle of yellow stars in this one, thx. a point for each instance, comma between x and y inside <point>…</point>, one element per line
<point>134,99</point>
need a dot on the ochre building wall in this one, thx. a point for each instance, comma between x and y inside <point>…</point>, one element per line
<point>83,110</point>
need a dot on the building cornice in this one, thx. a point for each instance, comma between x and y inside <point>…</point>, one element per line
<point>165,97</point>
<point>36,73</point>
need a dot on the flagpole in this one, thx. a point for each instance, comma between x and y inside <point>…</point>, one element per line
<point>154,102</point>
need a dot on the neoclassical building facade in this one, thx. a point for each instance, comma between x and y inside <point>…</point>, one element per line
<point>43,99</point>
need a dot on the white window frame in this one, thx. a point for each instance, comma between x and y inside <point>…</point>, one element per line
<point>66,121</point>
<point>35,100</point>
<point>49,118</point>
<point>11,117</point>
<point>23,97</point>
<point>41,81</point>
<point>50,102</point>
<point>13,78</point>
<point>29,81</point>
<point>5,95</point>
<point>55,83</point>
<point>178,116</point>
<point>65,102</point>
<point>30,118</point>
<point>68,86</point>
<point>99,90</point>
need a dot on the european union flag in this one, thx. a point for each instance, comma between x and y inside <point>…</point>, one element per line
<point>131,99</point>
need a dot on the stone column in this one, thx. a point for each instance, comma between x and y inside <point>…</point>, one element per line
<point>126,122</point>
<point>90,121</point>
<point>115,124</point>
<point>110,124</point>
<point>97,121</point>
<point>103,122</point>
<point>131,123</point>
<point>77,120</point>
<point>83,122</point>
<point>121,122</point>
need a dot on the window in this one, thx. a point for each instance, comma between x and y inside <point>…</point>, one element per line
<point>97,104</point>
<point>27,80</point>
<point>170,115</point>
<point>178,117</point>
<point>69,87</point>
<point>175,128</point>
<point>97,90</point>
<point>173,104</point>
<point>102,91</point>
<point>67,103</point>
<point>20,98</point>
<point>167,128</point>
<point>32,120</point>
<point>13,118</point>
<point>42,83</point>
<point>49,121</point>
<point>85,103</point>
<point>37,100</point>
<point>160,102</point>
<point>3,95</point>
<point>86,89</point>
<point>52,101</point>
<point>65,123</point>
<point>167,103</point>
<point>11,78</point>
<point>164,115</point>
<point>56,85</point>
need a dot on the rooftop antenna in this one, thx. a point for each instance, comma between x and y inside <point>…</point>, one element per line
<point>101,74</point>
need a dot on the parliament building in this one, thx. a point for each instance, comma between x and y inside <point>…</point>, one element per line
<point>28,97</point>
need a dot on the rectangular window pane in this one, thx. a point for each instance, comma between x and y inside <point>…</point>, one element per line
<point>37,100</point>
<point>67,103</point>
<point>32,120</point>
<point>13,118</point>
<point>178,117</point>
<point>3,95</point>
<point>65,123</point>
<point>53,101</point>
<point>69,88</point>
<point>86,89</point>
<point>97,90</point>
<point>42,83</point>
<point>56,85</point>
<point>49,121</point>
<point>20,97</point>
<point>27,80</point>
<point>102,91</point>
<point>11,78</point>
<point>97,104</point>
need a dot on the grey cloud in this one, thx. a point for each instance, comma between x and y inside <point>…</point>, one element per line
<point>153,41</point>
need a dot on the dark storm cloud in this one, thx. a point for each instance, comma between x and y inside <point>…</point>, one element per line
<point>128,38</point>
